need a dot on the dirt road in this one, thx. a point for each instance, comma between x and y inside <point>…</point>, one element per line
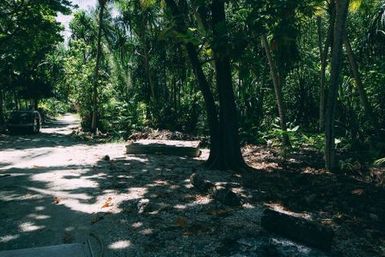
<point>48,191</point>
<point>55,189</point>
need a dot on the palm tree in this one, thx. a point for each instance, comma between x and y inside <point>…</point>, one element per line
<point>102,5</point>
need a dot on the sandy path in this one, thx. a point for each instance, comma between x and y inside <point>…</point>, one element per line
<point>48,194</point>
<point>55,189</point>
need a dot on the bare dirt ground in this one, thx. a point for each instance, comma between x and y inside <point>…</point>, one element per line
<point>57,189</point>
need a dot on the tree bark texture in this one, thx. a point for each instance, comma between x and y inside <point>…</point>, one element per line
<point>228,152</point>
<point>341,8</point>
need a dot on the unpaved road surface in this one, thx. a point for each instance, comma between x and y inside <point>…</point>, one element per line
<point>56,189</point>
<point>47,188</point>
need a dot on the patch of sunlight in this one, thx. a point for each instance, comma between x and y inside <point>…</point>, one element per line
<point>60,194</point>
<point>136,193</point>
<point>29,227</point>
<point>76,205</point>
<point>161,182</point>
<point>122,244</point>
<point>146,232</point>
<point>248,206</point>
<point>10,196</point>
<point>125,176</point>
<point>66,180</point>
<point>142,160</point>
<point>202,200</point>
<point>137,225</point>
<point>280,208</point>
<point>39,208</point>
<point>38,217</point>
<point>7,238</point>
<point>286,243</point>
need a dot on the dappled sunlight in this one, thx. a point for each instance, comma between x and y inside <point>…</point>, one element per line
<point>136,193</point>
<point>123,244</point>
<point>60,194</point>
<point>137,205</point>
<point>59,178</point>
<point>7,238</point>
<point>8,196</point>
<point>29,227</point>
<point>38,216</point>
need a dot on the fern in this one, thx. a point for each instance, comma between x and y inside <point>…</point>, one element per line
<point>379,162</point>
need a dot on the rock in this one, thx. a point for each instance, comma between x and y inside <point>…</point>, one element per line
<point>200,183</point>
<point>226,197</point>
<point>142,204</point>
<point>106,158</point>
<point>298,229</point>
<point>164,147</point>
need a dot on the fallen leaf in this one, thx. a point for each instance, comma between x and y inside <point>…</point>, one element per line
<point>107,203</point>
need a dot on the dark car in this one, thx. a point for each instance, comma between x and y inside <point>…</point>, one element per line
<point>24,121</point>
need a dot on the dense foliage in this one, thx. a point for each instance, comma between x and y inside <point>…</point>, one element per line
<point>131,65</point>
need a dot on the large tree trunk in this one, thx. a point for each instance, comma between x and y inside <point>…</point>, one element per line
<point>225,150</point>
<point>102,4</point>
<point>204,86</point>
<point>360,86</point>
<point>228,152</point>
<point>341,7</point>
<point>275,76</point>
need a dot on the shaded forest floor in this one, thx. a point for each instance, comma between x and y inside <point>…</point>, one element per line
<point>56,188</point>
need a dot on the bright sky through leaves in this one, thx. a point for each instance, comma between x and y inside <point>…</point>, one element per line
<point>65,19</point>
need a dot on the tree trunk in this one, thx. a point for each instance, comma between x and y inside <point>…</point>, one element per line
<point>204,86</point>
<point>147,69</point>
<point>360,86</point>
<point>324,57</point>
<point>2,119</point>
<point>275,76</point>
<point>36,104</point>
<point>96,74</point>
<point>229,154</point>
<point>324,51</point>
<point>341,7</point>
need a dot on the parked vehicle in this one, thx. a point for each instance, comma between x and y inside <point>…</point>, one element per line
<point>24,121</point>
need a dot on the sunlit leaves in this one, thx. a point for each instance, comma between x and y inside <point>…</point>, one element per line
<point>145,4</point>
<point>355,5</point>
